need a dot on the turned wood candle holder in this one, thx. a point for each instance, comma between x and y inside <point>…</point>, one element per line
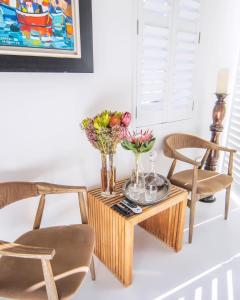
<point>216,129</point>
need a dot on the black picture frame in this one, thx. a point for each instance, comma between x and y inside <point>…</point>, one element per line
<point>17,63</point>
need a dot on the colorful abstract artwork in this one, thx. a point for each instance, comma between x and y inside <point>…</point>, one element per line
<point>40,28</point>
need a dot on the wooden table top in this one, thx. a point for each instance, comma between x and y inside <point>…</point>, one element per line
<point>175,196</point>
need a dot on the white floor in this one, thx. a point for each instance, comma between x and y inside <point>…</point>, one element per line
<point>209,269</point>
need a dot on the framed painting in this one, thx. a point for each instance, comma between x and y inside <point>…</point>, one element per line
<point>46,36</point>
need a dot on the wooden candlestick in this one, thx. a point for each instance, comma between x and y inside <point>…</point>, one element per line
<point>216,129</point>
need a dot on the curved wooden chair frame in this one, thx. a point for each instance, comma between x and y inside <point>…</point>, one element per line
<point>45,254</point>
<point>177,141</point>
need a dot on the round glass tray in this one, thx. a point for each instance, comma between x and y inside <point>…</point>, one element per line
<point>163,191</point>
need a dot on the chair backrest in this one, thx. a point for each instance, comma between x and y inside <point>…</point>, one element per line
<point>180,141</point>
<point>11,192</point>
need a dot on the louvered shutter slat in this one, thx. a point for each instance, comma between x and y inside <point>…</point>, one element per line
<point>189,10</point>
<point>158,6</point>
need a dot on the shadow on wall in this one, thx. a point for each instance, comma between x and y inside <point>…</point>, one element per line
<point>113,99</point>
<point>31,173</point>
<point>67,169</point>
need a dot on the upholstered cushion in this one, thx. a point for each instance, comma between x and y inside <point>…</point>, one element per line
<point>23,278</point>
<point>208,182</point>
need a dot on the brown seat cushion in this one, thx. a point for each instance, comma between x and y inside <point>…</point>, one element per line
<point>74,248</point>
<point>208,182</point>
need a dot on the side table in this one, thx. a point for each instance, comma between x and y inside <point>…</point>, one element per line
<point>115,233</point>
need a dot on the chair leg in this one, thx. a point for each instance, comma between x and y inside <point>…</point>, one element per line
<point>92,270</point>
<point>192,217</point>
<point>51,288</point>
<point>227,201</point>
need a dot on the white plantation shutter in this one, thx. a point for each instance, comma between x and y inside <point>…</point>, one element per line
<point>167,41</point>
<point>233,135</point>
<point>185,41</point>
<point>153,61</point>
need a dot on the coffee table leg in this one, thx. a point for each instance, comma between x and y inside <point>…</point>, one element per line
<point>128,254</point>
<point>168,225</point>
<point>120,248</point>
<point>181,223</point>
<point>114,240</point>
<point>118,245</point>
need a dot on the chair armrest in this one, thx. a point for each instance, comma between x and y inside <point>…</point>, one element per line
<point>226,149</point>
<point>216,147</point>
<point>44,188</point>
<point>49,188</point>
<point>22,251</point>
<point>185,159</point>
<point>210,146</point>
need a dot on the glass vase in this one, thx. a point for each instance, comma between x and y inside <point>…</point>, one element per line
<point>138,172</point>
<point>108,175</point>
<point>137,186</point>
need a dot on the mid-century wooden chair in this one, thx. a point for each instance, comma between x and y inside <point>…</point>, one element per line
<point>201,183</point>
<point>48,263</point>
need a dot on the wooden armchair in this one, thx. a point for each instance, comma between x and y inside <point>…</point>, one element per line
<point>48,263</point>
<point>199,182</point>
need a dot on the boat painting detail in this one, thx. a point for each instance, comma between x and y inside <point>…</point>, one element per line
<point>43,19</point>
<point>40,28</point>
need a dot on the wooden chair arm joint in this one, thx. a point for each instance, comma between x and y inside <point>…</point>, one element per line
<point>23,251</point>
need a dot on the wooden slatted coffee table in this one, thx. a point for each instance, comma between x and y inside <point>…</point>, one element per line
<point>115,233</point>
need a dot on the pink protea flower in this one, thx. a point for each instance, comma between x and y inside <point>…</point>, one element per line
<point>139,142</point>
<point>126,119</point>
<point>145,136</point>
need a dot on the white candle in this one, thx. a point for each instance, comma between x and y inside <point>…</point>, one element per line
<point>222,81</point>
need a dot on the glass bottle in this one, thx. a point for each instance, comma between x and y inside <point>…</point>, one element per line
<point>152,174</point>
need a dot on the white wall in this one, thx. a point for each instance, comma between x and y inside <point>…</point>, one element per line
<point>220,42</point>
<point>219,48</point>
<point>40,113</point>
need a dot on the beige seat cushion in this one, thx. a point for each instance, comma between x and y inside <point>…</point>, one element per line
<point>208,182</point>
<point>74,247</point>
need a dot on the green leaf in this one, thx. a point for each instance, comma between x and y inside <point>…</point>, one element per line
<point>123,144</point>
<point>129,146</point>
<point>147,146</point>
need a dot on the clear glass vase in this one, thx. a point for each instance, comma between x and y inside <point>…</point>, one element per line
<point>137,186</point>
<point>108,175</point>
<point>138,171</point>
